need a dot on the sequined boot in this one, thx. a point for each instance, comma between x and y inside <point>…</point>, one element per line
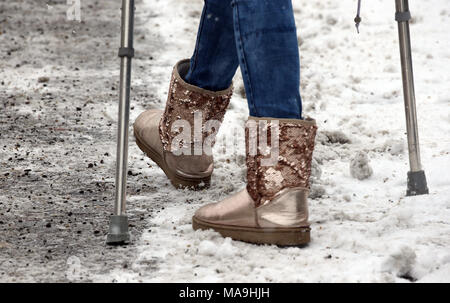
<point>273,208</point>
<point>175,138</point>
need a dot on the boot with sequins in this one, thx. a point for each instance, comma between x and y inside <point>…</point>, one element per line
<point>273,208</point>
<point>179,139</point>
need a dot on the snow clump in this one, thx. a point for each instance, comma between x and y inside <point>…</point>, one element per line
<point>359,166</point>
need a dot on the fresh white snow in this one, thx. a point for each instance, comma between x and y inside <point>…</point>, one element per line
<point>362,230</point>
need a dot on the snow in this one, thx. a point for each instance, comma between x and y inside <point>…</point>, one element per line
<point>362,230</point>
<point>360,167</point>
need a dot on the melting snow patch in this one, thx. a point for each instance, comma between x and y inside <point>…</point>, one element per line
<point>401,263</point>
<point>394,147</point>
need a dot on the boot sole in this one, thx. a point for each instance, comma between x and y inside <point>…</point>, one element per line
<point>284,236</point>
<point>176,180</point>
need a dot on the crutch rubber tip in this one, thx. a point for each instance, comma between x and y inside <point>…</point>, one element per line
<point>417,183</point>
<point>118,231</point>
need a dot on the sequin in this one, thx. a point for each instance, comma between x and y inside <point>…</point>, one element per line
<point>184,101</point>
<point>293,168</point>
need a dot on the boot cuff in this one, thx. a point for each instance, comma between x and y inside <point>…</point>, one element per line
<point>184,103</point>
<point>288,164</point>
<point>180,71</point>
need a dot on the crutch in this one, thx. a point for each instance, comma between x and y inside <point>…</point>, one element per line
<point>118,226</point>
<point>417,183</point>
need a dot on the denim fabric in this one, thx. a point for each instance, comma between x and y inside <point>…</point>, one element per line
<point>259,36</point>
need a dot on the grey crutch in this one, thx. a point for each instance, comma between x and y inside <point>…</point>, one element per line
<point>118,227</point>
<point>417,183</point>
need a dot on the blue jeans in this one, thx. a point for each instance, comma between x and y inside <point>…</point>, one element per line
<point>259,36</point>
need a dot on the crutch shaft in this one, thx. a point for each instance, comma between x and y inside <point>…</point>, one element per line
<point>124,105</point>
<point>408,86</point>
<point>122,138</point>
<point>118,225</point>
<point>417,183</point>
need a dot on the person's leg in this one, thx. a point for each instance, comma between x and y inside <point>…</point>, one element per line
<point>215,60</point>
<point>273,207</point>
<point>265,38</point>
<point>267,44</point>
